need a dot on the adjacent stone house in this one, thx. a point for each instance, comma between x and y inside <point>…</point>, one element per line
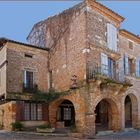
<point>23,68</point>
<point>81,51</point>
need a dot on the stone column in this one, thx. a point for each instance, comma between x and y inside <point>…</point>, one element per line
<point>90,125</point>
<point>138,123</point>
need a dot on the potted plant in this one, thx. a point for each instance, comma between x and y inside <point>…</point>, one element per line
<point>17,126</point>
<point>45,128</point>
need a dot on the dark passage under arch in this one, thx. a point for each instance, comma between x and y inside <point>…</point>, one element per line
<point>66,113</point>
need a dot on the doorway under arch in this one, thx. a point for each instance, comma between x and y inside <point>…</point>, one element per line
<point>107,115</point>
<point>131,111</point>
<point>66,113</point>
<point>128,112</point>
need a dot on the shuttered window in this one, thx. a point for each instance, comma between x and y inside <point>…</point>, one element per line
<point>28,79</point>
<point>137,68</point>
<point>111,68</point>
<point>126,64</point>
<point>111,37</point>
<point>121,69</point>
<point>104,64</point>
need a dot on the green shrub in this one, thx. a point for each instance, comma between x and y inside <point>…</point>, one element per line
<point>16,126</point>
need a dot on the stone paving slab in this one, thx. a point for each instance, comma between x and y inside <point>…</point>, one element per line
<point>5,135</point>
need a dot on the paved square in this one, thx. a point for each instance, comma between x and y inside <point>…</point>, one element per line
<point>19,136</point>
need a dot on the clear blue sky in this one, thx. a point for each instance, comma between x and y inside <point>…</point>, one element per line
<point>17,18</point>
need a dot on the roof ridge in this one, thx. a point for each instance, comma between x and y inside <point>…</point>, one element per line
<point>4,40</point>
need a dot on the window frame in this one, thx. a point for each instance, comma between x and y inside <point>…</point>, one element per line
<point>25,79</point>
<point>35,116</point>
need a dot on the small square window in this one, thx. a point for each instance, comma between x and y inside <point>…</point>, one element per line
<point>28,55</point>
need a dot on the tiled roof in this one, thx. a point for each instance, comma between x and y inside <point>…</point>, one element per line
<point>128,32</point>
<point>111,10</point>
<point>4,40</point>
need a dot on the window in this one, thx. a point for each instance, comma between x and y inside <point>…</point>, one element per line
<point>28,55</point>
<point>107,66</point>
<point>67,113</point>
<point>137,68</point>
<point>28,80</point>
<point>121,69</point>
<point>104,64</point>
<point>111,68</point>
<point>111,37</point>
<point>130,45</point>
<point>126,64</point>
<point>131,66</point>
<point>32,111</point>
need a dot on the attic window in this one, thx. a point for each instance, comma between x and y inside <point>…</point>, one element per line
<point>130,45</point>
<point>28,55</point>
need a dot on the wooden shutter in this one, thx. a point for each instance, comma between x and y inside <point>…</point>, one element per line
<point>104,64</point>
<point>19,110</point>
<point>137,68</point>
<point>126,64</point>
<point>114,38</point>
<point>111,37</point>
<point>121,69</point>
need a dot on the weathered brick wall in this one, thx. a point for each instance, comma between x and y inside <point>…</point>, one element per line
<point>3,71</point>
<point>38,35</point>
<point>96,28</point>
<point>76,38</point>
<point>67,57</point>
<point>132,54</point>
<point>65,35</point>
<point>96,33</point>
<point>17,63</point>
<point>124,47</point>
<point>7,114</point>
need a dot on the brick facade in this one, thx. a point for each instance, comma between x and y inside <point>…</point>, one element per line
<point>76,38</point>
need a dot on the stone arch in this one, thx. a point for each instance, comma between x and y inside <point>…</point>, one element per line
<point>78,107</point>
<point>134,102</point>
<point>113,112</point>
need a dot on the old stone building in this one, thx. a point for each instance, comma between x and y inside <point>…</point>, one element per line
<point>81,51</point>
<point>23,67</point>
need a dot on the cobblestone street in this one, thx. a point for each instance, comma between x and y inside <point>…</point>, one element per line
<point>20,136</point>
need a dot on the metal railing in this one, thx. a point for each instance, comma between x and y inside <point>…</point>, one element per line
<point>30,88</point>
<point>105,72</point>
